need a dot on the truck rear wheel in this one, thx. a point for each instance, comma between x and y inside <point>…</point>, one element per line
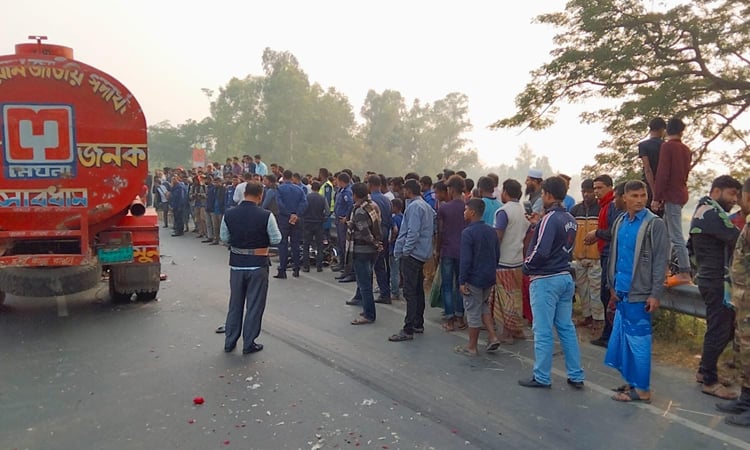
<point>48,281</point>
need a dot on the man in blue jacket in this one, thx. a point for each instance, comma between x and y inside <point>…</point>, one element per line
<point>177,201</point>
<point>548,266</point>
<point>292,203</point>
<point>413,247</point>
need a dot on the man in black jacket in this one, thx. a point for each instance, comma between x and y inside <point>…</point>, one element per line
<point>713,237</point>
<point>312,227</point>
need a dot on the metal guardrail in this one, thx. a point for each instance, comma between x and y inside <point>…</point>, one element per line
<point>684,299</point>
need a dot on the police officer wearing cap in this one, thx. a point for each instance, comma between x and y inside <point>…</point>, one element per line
<point>249,230</point>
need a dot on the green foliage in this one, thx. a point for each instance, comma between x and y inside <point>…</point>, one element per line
<point>691,60</point>
<point>425,138</point>
<point>171,146</point>
<point>679,328</point>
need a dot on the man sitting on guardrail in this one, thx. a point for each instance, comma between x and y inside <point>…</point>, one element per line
<point>637,263</point>
<point>713,237</point>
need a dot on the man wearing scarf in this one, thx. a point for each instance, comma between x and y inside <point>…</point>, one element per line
<point>365,239</point>
<point>713,237</point>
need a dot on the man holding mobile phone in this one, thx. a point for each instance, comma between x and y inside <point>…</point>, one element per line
<point>637,261</point>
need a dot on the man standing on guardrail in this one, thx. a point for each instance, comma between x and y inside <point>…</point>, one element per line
<point>713,237</point>
<point>671,194</point>
<point>740,299</point>
<point>637,263</point>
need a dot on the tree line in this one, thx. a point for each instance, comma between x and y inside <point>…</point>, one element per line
<point>283,116</point>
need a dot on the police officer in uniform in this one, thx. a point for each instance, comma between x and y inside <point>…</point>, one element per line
<point>249,230</point>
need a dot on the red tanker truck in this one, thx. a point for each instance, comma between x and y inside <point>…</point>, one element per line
<point>73,159</point>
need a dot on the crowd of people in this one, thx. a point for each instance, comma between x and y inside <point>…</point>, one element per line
<point>506,252</point>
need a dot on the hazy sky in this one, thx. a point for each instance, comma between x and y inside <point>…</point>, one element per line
<point>165,51</point>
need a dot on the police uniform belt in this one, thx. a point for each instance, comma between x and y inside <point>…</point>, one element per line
<point>249,251</point>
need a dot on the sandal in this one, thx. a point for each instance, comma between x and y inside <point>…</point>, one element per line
<point>623,388</point>
<point>492,346</point>
<point>462,325</point>
<point>461,350</point>
<point>448,326</point>
<point>401,336</point>
<point>361,321</point>
<point>630,396</point>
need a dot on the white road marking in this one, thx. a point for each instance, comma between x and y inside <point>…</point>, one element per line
<point>62,306</point>
<point>725,438</point>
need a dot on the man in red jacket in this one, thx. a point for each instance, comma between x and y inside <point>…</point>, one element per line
<point>608,212</point>
<point>671,194</point>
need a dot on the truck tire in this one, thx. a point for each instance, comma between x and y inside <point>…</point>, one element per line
<point>48,281</point>
<point>115,295</point>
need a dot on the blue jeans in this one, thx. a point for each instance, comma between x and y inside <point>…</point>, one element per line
<point>552,304</point>
<point>452,302</point>
<point>363,263</point>
<point>395,274</point>
<point>673,221</point>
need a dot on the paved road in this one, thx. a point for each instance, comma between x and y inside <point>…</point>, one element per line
<point>84,373</point>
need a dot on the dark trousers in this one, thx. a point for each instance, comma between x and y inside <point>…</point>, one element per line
<point>362,264</point>
<point>382,271</point>
<point>291,236</point>
<point>164,208</point>
<point>341,241</point>
<point>411,272</point>
<point>313,232</point>
<point>604,296</point>
<point>248,290</point>
<point>719,331</point>
<point>179,220</point>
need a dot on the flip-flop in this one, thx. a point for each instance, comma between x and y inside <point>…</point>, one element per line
<point>623,388</point>
<point>361,321</point>
<point>630,396</point>
<point>492,347</point>
<point>462,326</point>
<point>461,350</point>
<point>400,337</point>
<point>448,327</point>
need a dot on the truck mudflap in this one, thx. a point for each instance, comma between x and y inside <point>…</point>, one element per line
<point>140,279</point>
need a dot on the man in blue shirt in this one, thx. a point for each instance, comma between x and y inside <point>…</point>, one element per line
<point>413,247</point>
<point>260,167</point>
<point>382,274</point>
<point>292,202</point>
<point>637,236</point>
<point>427,192</point>
<point>342,209</point>
<point>551,290</point>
